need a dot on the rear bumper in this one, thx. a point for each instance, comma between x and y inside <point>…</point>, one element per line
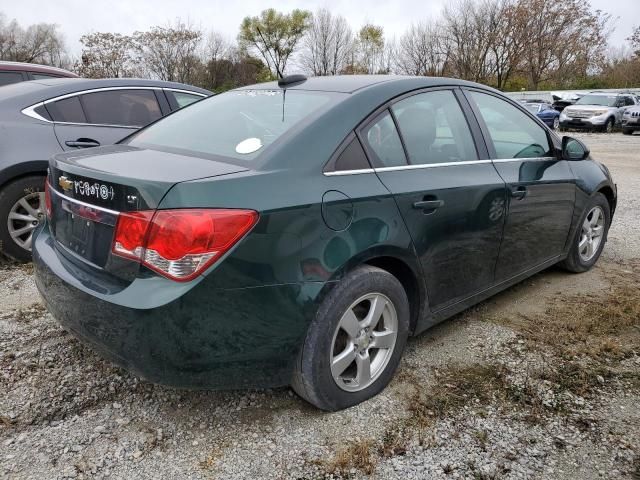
<point>205,338</point>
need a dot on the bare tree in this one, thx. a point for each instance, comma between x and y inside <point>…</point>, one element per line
<point>421,50</point>
<point>509,39</point>
<point>468,36</point>
<point>38,43</point>
<point>327,44</point>
<point>169,53</point>
<point>563,35</point>
<point>106,55</point>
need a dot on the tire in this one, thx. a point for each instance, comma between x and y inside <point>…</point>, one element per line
<point>577,262</point>
<point>326,340</point>
<point>31,189</point>
<point>627,131</point>
<point>608,125</point>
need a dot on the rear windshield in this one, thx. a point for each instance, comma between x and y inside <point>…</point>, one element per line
<point>532,107</point>
<point>238,124</point>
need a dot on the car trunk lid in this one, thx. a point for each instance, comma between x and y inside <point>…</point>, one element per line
<point>89,189</point>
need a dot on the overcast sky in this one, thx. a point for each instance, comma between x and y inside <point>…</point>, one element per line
<point>77,17</point>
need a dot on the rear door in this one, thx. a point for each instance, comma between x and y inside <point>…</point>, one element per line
<point>541,187</point>
<point>451,197</point>
<point>104,117</point>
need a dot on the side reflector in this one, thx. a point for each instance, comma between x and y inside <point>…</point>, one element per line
<point>47,197</point>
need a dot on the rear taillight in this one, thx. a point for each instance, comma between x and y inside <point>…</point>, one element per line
<point>180,244</point>
<point>47,197</point>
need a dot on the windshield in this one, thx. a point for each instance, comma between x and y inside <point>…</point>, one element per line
<point>602,100</point>
<point>532,107</point>
<point>238,124</point>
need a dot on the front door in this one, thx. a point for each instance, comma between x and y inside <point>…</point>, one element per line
<point>447,190</point>
<point>541,188</point>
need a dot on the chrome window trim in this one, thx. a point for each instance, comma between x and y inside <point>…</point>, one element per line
<point>29,111</point>
<point>431,165</point>
<point>337,173</point>
<point>532,159</point>
<point>405,167</point>
<point>188,92</point>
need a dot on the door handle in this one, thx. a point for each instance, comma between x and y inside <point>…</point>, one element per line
<point>82,143</point>
<point>519,192</point>
<point>428,206</point>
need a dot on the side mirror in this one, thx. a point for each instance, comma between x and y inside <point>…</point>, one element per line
<point>574,149</point>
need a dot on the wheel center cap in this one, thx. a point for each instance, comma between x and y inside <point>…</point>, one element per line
<point>362,340</point>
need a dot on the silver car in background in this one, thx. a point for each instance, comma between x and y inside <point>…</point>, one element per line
<point>597,111</point>
<point>631,120</point>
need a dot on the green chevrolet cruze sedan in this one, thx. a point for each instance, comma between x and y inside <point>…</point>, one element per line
<point>296,233</point>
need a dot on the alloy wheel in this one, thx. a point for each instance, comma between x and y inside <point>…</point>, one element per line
<point>591,234</point>
<point>363,342</point>
<point>556,123</point>
<point>25,215</point>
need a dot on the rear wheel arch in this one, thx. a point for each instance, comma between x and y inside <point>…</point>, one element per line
<point>409,280</point>
<point>397,266</point>
<point>21,170</point>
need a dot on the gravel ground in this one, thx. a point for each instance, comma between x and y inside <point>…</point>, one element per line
<point>65,413</point>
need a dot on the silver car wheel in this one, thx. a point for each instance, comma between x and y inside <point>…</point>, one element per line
<point>556,123</point>
<point>592,234</point>
<point>363,342</point>
<point>25,215</point>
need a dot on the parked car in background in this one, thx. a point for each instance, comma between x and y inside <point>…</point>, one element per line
<point>597,111</point>
<point>44,117</point>
<point>297,232</point>
<point>546,113</point>
<point>15,72</point>
<point>631,120</point>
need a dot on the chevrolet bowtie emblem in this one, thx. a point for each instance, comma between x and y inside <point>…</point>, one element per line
<point>65,183</point>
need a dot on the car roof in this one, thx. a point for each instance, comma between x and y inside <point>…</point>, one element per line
<point>36,68</point>
<point>354,83</point>
<point>36,91</point>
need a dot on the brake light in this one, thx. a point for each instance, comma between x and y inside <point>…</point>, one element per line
<point>47,197</point>
<point>180,244</point>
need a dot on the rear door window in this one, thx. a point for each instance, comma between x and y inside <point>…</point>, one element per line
<point>7,78</point>
<point>183,99</point>
<point>67,110</point>
<point>513,133</point>
<point>121,107</point>
<point>383,142</point>
<point>434,128</point>
<point>43,76</point>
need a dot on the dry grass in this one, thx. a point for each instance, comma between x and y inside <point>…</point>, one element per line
<point>357,455</point>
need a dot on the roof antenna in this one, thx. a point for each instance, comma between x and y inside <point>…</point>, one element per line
<point>269,51</point>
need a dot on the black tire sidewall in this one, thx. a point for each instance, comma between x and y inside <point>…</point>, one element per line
<point>314,363</point>
<point>574,262</point>
<point>9,195</point>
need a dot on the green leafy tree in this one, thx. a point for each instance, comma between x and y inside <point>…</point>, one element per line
<point>274,35</point>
